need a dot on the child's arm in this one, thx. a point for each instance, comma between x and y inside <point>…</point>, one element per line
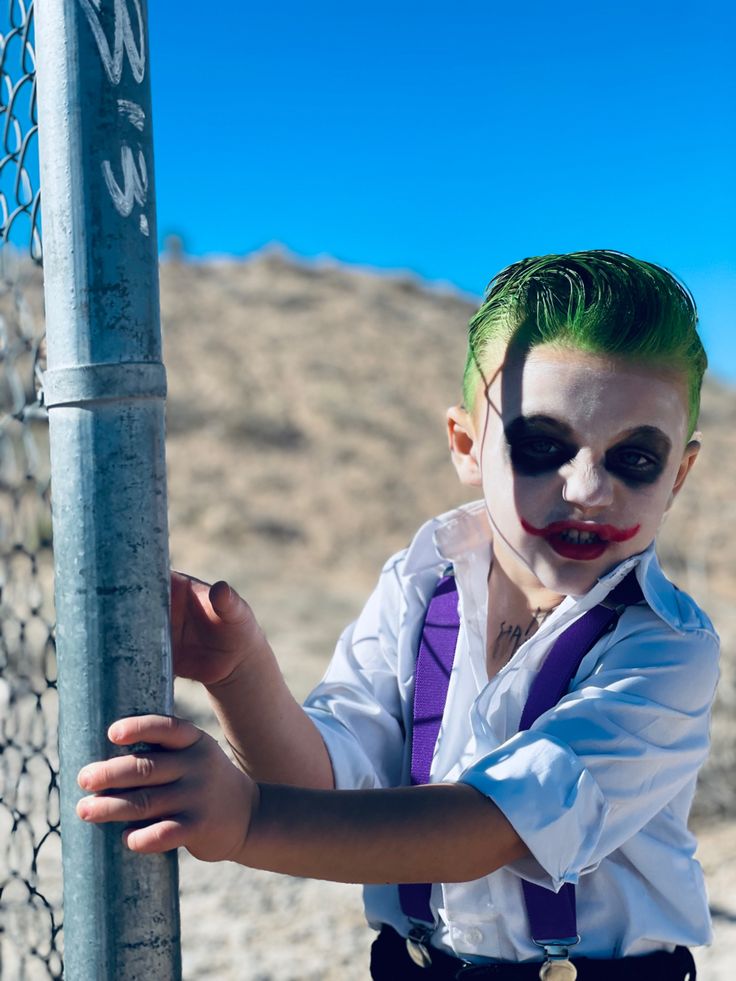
<point>216,640</point>
<point>189,794</point>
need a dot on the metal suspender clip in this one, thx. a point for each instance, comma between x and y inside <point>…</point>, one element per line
<point>557,965</point>
<point>417,943</point>
<point>617,608</point>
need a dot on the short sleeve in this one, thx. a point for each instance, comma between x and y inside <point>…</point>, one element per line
<point>357,705</point>
<point>591,772</point>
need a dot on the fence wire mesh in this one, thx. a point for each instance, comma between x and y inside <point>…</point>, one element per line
<point>30,847</point>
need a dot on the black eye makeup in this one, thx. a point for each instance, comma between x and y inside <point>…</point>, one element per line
<point>538,444</point>
<point>541,444</point>
<point>641,457</point>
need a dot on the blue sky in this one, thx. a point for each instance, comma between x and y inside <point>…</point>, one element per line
<point>452,139</point>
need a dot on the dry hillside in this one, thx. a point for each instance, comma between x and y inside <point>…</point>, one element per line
<point>306,444</point>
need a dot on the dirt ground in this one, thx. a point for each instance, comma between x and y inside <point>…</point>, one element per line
<point>242,925</point>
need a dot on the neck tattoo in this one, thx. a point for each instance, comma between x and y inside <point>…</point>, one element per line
<point>512,635</point>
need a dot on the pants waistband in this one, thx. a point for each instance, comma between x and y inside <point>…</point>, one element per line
<point>390,960</point>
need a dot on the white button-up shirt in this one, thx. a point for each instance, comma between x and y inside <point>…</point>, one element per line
<point>599,788</point>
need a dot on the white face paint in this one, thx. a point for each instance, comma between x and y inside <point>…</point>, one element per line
<point>579,457</point>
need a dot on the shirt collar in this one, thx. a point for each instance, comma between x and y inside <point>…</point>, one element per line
<point>455,533</point>
<point>444,539</point>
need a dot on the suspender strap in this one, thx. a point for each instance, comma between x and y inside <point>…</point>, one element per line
<point>432,678</point>
<point>551,915</point>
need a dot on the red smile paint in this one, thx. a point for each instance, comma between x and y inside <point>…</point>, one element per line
<point>571,539</point>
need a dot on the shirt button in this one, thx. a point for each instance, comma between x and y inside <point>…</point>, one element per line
<point>473,936</point>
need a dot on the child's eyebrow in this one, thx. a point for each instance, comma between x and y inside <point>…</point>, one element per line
<point>650,435</point>
<point>521,423</point>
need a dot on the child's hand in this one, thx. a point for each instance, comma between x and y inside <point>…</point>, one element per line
<point>212,630</point>
<point>187,792</point>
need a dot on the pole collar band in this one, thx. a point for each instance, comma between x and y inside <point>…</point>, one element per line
<point>104,382</point>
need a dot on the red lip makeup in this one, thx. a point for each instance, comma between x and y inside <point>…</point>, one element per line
<point>580,540</point>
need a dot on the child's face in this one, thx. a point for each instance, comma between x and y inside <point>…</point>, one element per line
<point>579,456</point>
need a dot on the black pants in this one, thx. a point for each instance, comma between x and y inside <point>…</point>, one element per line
<point>391,962</point>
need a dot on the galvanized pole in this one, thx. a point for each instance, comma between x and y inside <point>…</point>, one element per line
<point>105,391</point>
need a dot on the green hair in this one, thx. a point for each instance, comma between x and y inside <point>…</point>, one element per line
<point>599,301</point>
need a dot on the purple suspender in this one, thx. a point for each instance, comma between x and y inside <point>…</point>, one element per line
<point>551,915</point>
<point>432,678</point>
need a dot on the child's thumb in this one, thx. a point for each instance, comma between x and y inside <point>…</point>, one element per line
<point>226,603</point>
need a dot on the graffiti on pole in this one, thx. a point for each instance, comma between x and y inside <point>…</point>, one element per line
<point>129,40</point>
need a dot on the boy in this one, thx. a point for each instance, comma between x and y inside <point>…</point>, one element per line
<point>580,402</point>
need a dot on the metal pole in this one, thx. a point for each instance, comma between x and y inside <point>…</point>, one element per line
<point>105,391</point>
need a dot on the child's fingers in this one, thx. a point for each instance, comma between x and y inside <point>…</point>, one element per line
<point>217,603</point>
<point>181,580</point>
<point>143,769</point>
<point>159,837</point>
<point>189,602</point>
<point>163,730</point>
<point>183,589</point>
<point>142,804</point>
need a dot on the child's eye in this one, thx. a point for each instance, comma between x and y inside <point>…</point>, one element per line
<point>537,454</point>
<point>634,464</point>
<point>540,447</point>
<point>635,459</point>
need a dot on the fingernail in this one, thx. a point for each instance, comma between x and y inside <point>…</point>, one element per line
<point>226,599</point>
<point>83,809</point>
<point>115,731</point>
<point>84,778</point>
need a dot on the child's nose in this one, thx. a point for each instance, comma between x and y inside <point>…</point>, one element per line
<point>588,484</point>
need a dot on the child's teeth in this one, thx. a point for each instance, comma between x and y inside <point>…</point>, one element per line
<point>579,537</point>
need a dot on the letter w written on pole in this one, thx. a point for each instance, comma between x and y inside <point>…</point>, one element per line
<point>135,182</point>
<point>124,39</point>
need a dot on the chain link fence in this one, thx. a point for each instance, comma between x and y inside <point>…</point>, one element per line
<point>30,850</point>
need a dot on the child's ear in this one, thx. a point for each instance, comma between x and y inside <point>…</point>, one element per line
<point>686,464</point>
<point>463,447</point>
